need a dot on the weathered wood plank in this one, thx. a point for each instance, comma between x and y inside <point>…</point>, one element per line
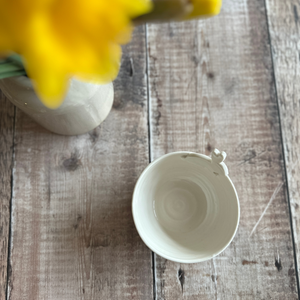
<point>73,235</point>
<point>211,85</point>
<point>285,36</point>
<point>7,114</point>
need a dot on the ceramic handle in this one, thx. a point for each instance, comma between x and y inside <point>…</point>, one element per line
<point>218,156</point>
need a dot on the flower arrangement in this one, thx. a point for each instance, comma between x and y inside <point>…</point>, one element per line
<point>54,40</point>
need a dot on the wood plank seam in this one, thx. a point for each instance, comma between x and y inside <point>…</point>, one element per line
<point>73,236</point>
<point>149,143</point>
<point>236,110</point>
<point>282,146</point>
<point>10,208</point>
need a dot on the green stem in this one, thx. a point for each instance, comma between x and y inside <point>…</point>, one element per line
<point>12,66</point>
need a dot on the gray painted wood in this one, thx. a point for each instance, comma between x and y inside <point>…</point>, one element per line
<point>211,85</point>
<point>73,235</point>
<point>7,114</point>
<point>284,27</point>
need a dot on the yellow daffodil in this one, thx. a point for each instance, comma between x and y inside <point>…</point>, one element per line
<point>62,38</point>
<point>180,10</point>
<point>204,8</point>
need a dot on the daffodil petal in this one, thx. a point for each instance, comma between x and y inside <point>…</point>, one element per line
<point>50,84</point>
<point>51,89</point>
<point>204,8</point>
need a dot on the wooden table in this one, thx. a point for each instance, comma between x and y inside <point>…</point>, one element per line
<point>230,82</point>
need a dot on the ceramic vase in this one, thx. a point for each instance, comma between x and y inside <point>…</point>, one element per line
<point>86,105</point>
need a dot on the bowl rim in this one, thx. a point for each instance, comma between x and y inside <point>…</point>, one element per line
<point>197,260</point>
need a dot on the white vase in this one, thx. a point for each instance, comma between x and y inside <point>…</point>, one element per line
<point>85,106</point>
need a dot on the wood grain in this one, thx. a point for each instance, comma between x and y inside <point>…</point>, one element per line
<point>211,85</point>
<point>7,114</point>
<point>73,235</point>
<point>285,36</point>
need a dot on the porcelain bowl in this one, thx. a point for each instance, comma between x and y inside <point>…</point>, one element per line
<point>185,207</point>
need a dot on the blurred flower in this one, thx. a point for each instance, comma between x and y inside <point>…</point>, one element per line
<point>204,9</point>
<point>180,10</point>
<point>62,38</point>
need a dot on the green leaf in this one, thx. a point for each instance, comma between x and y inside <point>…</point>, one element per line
<point>12,66</point>
<point>12,74</point>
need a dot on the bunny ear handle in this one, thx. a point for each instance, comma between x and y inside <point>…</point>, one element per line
<point>217,158</point>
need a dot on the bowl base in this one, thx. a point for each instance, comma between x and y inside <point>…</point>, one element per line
<point>180,206</point>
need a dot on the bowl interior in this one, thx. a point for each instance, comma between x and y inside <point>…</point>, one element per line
<point>185,209</point>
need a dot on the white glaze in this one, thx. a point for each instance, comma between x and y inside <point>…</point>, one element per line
<point>185,207</point>
<point>85,106</point>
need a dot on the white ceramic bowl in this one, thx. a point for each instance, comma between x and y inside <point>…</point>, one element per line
<point>185,206</point>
